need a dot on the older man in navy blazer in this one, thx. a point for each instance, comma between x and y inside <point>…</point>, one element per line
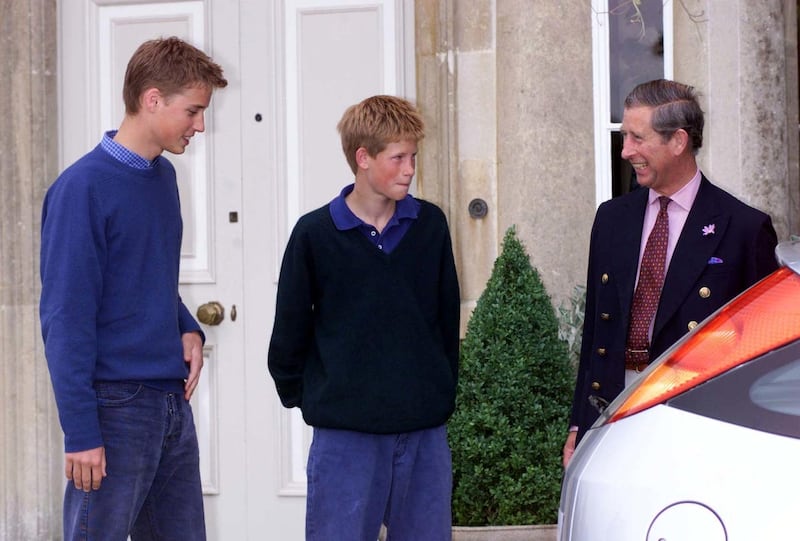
<point>716,247</point>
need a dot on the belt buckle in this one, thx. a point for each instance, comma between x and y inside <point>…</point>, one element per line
<point>638,366</point>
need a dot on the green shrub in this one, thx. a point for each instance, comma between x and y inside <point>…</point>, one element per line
<point>513,401</point>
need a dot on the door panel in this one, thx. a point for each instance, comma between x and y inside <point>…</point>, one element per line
<point>339,59</point>
<point>97,40</point>
<point>112,34</point>
<point>327,55</point>
<point>269,154</point>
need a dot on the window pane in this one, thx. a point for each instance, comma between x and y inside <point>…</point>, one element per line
<point>636,48</point>
<point>778,390</point>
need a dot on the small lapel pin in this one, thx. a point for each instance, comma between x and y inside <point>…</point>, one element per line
<point>708,230</point>
<point>714,261</point>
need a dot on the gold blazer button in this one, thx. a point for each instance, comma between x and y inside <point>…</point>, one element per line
<point>692,325</point>
<point>605,316</point>
<point>595,386</point>
<point>604,278</point>
<point>601,352</point>
<point>705,292</point>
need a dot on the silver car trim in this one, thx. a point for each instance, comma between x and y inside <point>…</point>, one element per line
<point>788,254</point>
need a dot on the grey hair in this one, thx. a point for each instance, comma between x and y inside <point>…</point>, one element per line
<point>675,107</point>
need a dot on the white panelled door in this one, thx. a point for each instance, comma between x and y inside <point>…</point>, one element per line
<point>269,154</point>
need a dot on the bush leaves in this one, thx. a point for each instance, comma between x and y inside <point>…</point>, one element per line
<point>513,401</point>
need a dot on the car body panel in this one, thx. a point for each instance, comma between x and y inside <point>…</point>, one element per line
<point>707,465</point>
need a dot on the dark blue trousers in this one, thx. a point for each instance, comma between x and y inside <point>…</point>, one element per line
<point>152,491</point>
<point>357,481</point>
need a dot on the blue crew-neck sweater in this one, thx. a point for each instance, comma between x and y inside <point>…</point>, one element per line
<point>366,340</point>
<point>110,308</point>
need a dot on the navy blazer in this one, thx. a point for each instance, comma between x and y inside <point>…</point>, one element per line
<point>706,271</point>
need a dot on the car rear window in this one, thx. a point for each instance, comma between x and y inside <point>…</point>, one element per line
<point>763,394</point>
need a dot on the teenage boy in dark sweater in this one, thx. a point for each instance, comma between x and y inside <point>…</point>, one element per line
<point>124,352</point>
<point>365,340</point>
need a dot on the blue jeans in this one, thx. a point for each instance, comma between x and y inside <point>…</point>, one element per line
<point>152,490</point>
<point>357,481</point>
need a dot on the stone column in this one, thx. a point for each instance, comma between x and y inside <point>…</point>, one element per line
<point>742,56</point>
<point>30,467</point>
<point>458,164</point>
<point>764,123</point>
<point>792,44</point>
<point>545,146</point>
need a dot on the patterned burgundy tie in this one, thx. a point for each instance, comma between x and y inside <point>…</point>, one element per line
<point>648,290</point>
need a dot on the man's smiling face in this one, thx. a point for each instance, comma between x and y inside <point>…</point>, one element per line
<point>654,158</point>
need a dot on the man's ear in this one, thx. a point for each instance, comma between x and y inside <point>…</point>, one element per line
<point>362,158</point>
<point>679,141</point>
<point>151,98</point>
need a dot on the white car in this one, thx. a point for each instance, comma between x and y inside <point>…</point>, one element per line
<point>706,445</point>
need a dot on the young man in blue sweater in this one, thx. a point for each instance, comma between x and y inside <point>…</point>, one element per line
<point>365,340</point>
<point>124,352</point>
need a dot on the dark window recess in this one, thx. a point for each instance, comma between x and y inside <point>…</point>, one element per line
<point>623,178</point>
<point>761,394</point>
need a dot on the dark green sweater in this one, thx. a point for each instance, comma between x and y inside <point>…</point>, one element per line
<point>364,340</point>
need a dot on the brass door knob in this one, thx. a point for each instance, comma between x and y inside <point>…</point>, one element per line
<point>211,313</point>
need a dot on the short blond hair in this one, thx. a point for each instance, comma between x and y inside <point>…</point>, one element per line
<point>376,122</point>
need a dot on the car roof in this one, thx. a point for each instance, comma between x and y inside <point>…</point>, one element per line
<point>788,254</point>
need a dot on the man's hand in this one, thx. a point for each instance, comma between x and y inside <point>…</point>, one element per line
<point>192,354</point>
<point>569,448</point>
<point>86,469</point>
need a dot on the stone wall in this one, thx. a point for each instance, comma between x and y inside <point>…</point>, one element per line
<point>742,57</point>
<point>506,89</point>
<point>30,439</point>
<point>508,101</point>
<point>546,179</point>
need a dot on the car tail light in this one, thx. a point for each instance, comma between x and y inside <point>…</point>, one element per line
<point>763,318</point>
